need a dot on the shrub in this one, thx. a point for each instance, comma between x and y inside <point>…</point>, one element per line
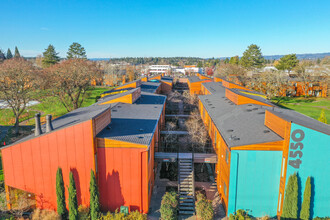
<point>169,206</point>
<point>60,195</point>
<point>136,215</point>
<point>83,213</point>
<point>44,215</point>
<point>240,215</point>
<point>322,117</point>
<point>204,209</point>
<point>306,205</point>
<point>73,203</point>
<point>290,205</point>
<point>94,198</point>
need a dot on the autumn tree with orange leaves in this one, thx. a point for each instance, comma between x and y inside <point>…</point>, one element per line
<point>18,81</point>
<point>71,79</point>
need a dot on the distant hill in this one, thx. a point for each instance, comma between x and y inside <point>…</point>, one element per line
<point>305,56</point>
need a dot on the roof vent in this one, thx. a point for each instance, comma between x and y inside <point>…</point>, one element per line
<point>49,126</point>
<point>248,110</point>
<point>266,131</point>
<point>141,129</point>
<point>230,130</point>
<point>255,109</point>
<point>249,105</point>
<point>212,107</point>
<point>261,113</point>
<point>119,106</point>
<point>37,130</point>
<point>114,110</point>
<point>140,137</point>
<point>236,139</point>
<point>108,127</point>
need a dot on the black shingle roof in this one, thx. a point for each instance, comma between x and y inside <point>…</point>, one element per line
<point>238,124</point>
<point>135,123</point>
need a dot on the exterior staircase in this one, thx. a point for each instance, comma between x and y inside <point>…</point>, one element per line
<point>186,186</point>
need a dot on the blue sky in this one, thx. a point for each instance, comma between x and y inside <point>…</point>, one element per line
<point>205,28</point>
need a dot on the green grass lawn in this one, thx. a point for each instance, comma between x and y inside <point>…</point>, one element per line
<point>311,107</point>
<point>49,105</point>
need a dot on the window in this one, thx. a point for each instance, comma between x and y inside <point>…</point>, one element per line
<point>227,156</point>
<point>283,165</point>
<point>225,188</point>
<point>279,202</point>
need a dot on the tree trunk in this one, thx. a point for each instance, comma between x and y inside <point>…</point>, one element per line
<point>16,125</point>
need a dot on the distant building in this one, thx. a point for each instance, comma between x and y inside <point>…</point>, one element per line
<point>156,69</point>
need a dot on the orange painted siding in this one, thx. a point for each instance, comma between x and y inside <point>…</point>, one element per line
<point>217,79</point>
<point>241,100</point>
<point>32,165</point>
<point>230,85</point>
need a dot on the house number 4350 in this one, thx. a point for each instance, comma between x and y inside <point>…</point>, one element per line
<point>295,148</point>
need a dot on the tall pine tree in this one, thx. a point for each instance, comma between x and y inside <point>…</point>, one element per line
<point>306,205</point>
<point>9,54</point>
<point>73,202</point>
<point>50,56</point>
<point>76,51</point>
<point>60,195</point>
<point>94,198</point>
<point>17,54</point>
<point>290,205</point>
<point>2,56</point>
<point>252,57</point>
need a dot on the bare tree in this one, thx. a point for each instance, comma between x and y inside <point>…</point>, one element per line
<point>196,129</point>
<point>231,72</point>
<point>304,74</point>
<point>71,79</point>
<point>18,81</point>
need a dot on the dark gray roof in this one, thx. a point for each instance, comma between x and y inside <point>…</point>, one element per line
<point>150,86</point>
<point>238,124</point>
<point>115,96</point>
<point>135,123</point>
<point>75,117</point>
<point>215,87</point>
<point>194,79</point>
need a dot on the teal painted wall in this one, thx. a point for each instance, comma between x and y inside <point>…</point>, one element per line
<point>254,182</point>
<point>315,162</point>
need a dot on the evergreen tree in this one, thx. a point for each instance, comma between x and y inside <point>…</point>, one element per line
<point>76,51</point>
<point>73,202</point>
<point>234,60</point>
<point>17,54</point>
<point>50,56</point>
<point>60,194</point>
<point>252,57</point>
<point>306,205</point>
<point>2,56</point>
<point>322,117</point>
<point>94,198</point>
<point>287,62</point>
<point>9,54</point>
<point>290,205</point>
<point>226,60</point>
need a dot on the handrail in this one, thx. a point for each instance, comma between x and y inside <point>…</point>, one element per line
<point>193,178</point>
